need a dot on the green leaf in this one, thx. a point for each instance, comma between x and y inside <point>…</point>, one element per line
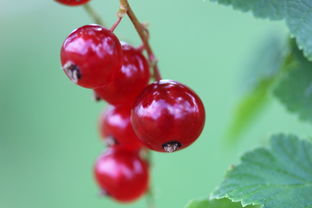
<point>268,58</point>
<point>279,177</point>
<point>216,203</point>
<point>273,9</point>
<point>249,107</point>
<point>299,21</point>
<point>296,13</point>
<point>262,72</point>
<point>295,87</point>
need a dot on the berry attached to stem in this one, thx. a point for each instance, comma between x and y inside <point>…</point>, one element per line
<point>141,30</point>
<point>91,55</point>
<point>168,116</point>
<point>116,128</point>
<point>123,175</point>
<point>129,80</point>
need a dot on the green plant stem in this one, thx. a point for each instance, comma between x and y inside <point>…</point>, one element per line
<point>141,30</point>
<point>91,12</point>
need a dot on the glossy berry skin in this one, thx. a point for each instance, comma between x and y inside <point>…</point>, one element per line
<point>168,116</point>
<point>130,79</point>
<point>116,128</point>
<point>91,55</point>
<point>122,175</point>
<point>72,2</point>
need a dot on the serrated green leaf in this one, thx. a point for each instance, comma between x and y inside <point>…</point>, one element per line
<point>295,87</point>
<point>279,177</point>
<point>216,203</point>
<point>296,13</point>
<point>299,21</point>
<point>273,9</point>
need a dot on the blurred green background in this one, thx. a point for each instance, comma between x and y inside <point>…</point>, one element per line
<point>48,126</point>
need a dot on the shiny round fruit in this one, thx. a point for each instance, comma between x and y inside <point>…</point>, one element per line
<point>168,116</point>
<point>73,2</point>
<point>91,55</point>
<point>122,175</point>
<point>129,80</point>
<point>116,128</point>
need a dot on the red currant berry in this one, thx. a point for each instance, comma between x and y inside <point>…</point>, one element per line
<point>168,116</point>
<point>91,55</point>
<point>122,175</point>
<point>130,79</point>
<point>116,128</point>
<point>73,2</point>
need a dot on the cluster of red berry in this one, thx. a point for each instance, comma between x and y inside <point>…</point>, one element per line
<point>164,116</point>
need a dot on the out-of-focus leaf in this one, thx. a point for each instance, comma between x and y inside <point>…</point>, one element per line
<point>262,72</point>
<point>295,87</point>
<point>267,60</point>
<point>249,107</point>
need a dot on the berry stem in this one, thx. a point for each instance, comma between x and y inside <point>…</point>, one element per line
<point>141,48</point>
<point>150,198</point>
<point>116,23</point>
<point>141,30</point>
<point>91,12</point>
<point>149,194</point>
<point>144,35</point>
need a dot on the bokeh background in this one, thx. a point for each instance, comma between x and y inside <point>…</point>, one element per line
<point>48,126</point>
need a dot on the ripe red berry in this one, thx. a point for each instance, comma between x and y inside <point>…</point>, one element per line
<point>130,79</point>
<point>116,128</point>
<point>91,55</point>
<point>122,175</point>
<point>168,116</point>
<point>73,2</point>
